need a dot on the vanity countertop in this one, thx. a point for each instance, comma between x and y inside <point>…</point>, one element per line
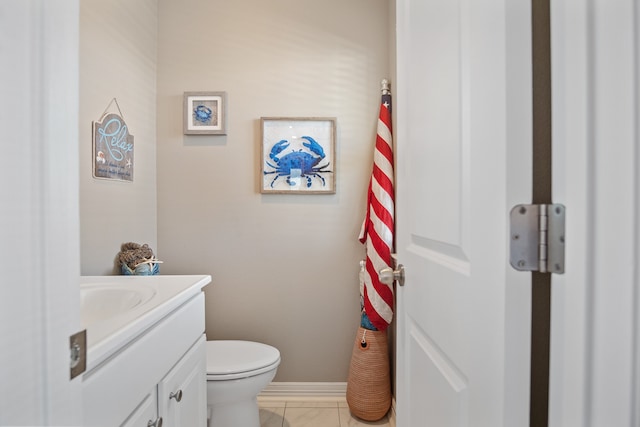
<point>107,335</point>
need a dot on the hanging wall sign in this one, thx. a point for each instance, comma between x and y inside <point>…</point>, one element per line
<point>112,148</point>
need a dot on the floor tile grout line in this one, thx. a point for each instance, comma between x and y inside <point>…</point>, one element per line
<point>284,413</point>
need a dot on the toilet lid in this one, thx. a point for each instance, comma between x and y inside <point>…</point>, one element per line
<point>237,357</point>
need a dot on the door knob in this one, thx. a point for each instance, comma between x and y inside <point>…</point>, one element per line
<point>388,275</point>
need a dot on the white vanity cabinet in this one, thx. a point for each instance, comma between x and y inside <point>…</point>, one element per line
<point>159,371</point>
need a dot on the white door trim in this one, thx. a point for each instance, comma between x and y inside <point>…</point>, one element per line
<point>594,338</point>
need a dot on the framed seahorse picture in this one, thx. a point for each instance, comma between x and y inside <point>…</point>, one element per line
<point>205,113</point>
<point>298,155</point>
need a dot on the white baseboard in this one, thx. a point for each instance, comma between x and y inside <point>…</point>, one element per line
<point>304,389</point>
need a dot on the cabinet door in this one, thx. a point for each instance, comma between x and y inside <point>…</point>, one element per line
<point>182,394</point>
<point>145,412</point>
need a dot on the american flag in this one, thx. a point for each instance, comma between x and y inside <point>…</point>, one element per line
<point>378,226</point>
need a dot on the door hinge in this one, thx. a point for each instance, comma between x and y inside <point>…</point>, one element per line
<point>537,238</point>
<point>77,353</point>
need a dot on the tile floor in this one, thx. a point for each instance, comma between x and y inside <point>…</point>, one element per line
<point>312,413</point>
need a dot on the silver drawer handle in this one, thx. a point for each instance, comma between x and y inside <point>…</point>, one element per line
<point>156,423</point>
<point>177,396</point>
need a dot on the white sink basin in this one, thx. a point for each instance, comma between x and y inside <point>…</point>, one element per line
<point>117,309</point>
<point>104,301</point>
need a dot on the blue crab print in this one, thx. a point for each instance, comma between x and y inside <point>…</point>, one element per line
<point>202,114</point>
<point>298,163</point>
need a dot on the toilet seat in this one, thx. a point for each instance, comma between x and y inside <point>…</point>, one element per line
<point>228,360</point>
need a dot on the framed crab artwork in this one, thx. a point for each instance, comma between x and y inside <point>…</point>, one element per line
<point>205,113</point>
<point>298,155</point>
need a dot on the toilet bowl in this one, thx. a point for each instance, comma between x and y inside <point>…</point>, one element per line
<point>237,371</point>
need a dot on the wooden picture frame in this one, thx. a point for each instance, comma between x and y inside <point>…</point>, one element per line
<point>205,113</point>
<point>298,155</point>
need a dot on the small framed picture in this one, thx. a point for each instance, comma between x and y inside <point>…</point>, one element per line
<point>298,155</point>
<point>205,113</point>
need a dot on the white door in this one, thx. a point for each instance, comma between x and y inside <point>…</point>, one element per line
<point>39,234</point>
<point>463,144</point>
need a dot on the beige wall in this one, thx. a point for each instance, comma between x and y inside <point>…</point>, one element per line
<point>284,267</point>
<point>118,45</point>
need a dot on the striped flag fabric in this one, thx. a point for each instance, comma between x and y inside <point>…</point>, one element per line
<point>378,226</point>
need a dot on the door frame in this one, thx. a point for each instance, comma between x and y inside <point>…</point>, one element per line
<point>595,342</point>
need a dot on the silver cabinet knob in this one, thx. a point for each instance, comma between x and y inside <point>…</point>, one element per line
<point>156,423</point>
<point>177,396</point>
<point>388,275</point>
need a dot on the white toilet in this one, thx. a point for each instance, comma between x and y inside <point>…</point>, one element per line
<point>236,372</point>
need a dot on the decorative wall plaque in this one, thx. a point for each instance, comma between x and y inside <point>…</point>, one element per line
<point>112,148</point>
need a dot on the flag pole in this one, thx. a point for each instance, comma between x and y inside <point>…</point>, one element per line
<point>385,87</point>
<point>386,94</point>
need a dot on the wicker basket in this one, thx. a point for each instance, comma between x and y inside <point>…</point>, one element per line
<point>369,383</point>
